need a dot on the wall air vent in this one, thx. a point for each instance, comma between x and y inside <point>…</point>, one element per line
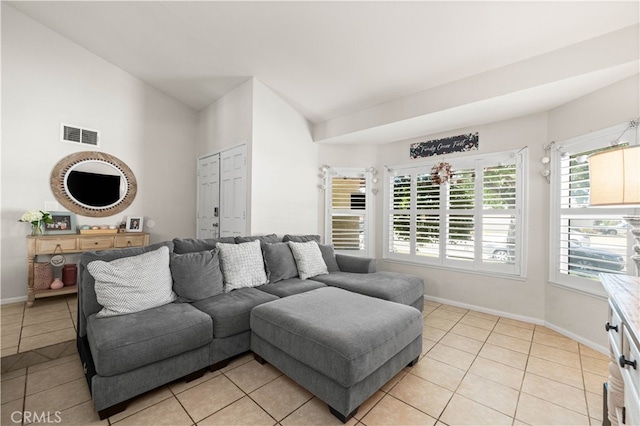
<point>75,134</point>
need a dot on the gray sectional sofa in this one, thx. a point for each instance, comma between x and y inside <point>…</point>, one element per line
<point>126,355</point>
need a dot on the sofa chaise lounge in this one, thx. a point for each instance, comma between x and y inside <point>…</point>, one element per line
<point>125,355</point>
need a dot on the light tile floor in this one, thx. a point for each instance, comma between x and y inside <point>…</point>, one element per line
<point>50,321</point>
<point>475,369</point>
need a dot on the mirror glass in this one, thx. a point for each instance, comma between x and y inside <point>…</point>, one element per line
<point>84,178</point>
<point>93,184</point>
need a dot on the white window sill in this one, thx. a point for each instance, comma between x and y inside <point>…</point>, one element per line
<point>459,270</point>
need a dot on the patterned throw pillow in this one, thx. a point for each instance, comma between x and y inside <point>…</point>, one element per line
<point>242,265</point>
<point>133,284</point>
<point>308,259</point>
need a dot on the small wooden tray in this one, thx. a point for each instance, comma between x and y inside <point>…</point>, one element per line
<point>98,231</point>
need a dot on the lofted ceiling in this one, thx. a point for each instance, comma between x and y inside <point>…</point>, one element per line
<point>337,60</point>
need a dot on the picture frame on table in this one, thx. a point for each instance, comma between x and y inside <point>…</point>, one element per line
<point>134,223</point>
<point>63,223</point>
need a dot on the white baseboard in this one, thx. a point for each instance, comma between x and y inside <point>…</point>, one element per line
<point>599,348</point>
<point>509,315</point>
<point>9,300</point>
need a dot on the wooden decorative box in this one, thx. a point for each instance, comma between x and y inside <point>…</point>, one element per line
<point>98,231</point>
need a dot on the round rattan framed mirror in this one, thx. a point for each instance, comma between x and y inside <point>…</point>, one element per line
<point>94,184</point>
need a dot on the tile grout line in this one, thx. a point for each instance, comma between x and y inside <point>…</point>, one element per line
<point>388,393</point>
<point>249,396</point>
<point>556,381</point>
<point>526,364</point>
<point>174,396</point>
<point>455,392</point>
<point>484,342</point>
<point>584,385</point>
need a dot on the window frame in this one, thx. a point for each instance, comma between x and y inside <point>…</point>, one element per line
<point>478,265</point>
<point>579,144</point>
<point>369,220</point>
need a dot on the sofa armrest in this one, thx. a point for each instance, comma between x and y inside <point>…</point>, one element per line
<point>360,265</point>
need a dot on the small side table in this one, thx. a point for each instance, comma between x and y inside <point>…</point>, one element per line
<point>73,243</point>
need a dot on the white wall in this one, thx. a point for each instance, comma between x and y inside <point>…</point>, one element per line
<point>47,80</point>
<point>611,105</point>
<point>284,168</point>
<point>281,156</point>
<point>226,122</point>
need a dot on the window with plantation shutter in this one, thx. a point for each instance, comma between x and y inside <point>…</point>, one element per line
<point>472,222</point>
<point>586,241</point>
<point>348,197</point>
<point>400,217</point>
<point>460,216</point>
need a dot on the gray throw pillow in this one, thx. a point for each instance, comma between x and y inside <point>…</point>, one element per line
<point>329,257</point>
<point>133,284</point>
<point>196,276</point>
<point>194,245</point>
<point>271,238</point>
<point>301,238</point>
<point>280,262</point>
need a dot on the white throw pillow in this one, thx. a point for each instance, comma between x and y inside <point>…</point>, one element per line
<point>133,284</point>
<point>242,265</point>
<point>308,259</point>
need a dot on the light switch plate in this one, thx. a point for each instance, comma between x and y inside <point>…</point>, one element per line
<point>51,206</point>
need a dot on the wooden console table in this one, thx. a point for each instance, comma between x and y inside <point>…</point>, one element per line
<point>73,243</point>
<point>623,326</point>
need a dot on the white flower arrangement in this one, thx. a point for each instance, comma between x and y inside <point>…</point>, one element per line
<point>36,218</point>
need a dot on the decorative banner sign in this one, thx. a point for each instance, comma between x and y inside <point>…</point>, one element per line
<point>460,143</point>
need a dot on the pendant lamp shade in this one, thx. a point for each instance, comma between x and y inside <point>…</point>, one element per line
<point>615,177</point>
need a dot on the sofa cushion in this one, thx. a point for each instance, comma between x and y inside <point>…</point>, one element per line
<point>392,286</point>
<point>126,342</point>
<point>301,238</point>
<point>291,286</point>
<point>192,245</point>
<point>342,335</point>
<point>86,291</point>
<point>271,238</point>
<point>308,259</point>
<point>231,311</point>
<point>329,257</point>
<point>357,264</point>
<point>133,284</point>
<point>280,262</point>
<point>197,275</point>
<point>242,265</point>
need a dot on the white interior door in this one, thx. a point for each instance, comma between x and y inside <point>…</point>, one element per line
<point>208,197</point>
<point>233,202</point>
